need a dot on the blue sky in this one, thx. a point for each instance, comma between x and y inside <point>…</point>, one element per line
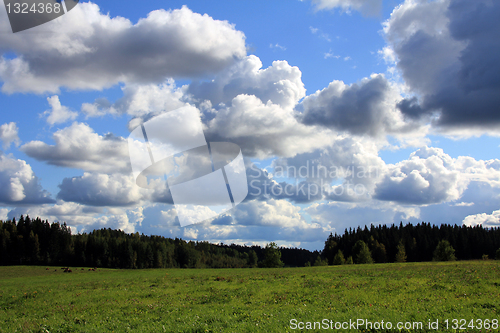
<point>408,90</point>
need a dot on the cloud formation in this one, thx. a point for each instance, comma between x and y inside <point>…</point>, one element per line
<point>486,220</point>
<point>140,100</point>
<point>447,53</point>
<point>78,146</point>
<point>8,135</point>
<point>364,108</point>
<point>100,190</point>
<point>366,7</point>
<point>265,129</point>
<point>279,84</point>
<point>19,185</point>
<point>58,113</point>
<point>86,49</point>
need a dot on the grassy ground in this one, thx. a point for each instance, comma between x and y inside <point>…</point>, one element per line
<point>33,299</point>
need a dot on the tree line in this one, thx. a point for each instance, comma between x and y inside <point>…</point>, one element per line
<point>38,242</point>
<point>421,242</point>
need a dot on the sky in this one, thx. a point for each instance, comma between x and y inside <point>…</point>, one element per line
<point>347,113</point>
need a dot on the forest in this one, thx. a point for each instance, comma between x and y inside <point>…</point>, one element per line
<point>30,241</point>
<point>415,243</point>
<point>36,242</point>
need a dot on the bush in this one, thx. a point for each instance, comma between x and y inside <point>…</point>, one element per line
<point>349,261</point>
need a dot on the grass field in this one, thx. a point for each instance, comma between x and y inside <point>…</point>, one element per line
<point>33,299</point>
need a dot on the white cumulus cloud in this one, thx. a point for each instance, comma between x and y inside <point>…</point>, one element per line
<point>86,49</point>
<point>58,113</point>
<point>9,135</point>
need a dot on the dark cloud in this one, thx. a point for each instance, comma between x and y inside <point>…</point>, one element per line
<point>410,107</point>
<point>453,65</point>
<point>364,108</point>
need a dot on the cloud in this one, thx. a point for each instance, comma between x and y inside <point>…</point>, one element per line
<point>244,104</point>
<point>447,52</point>
<point>78,146</point>
<point>277,46</point>
<point>330,54</point>
<point>350,170</point>
<point>265,129</point>
<point>486,220</point>
<point>464,204</point>
<point>366,7</point>
<point>86,49</point>
<point>364,108</point>
<point>3,214</point>
<point>263,186</point>
<point>279,84</point>
<point>99,108</point>
<point>269,213</point>
<point>347,170</point>
<point>321,34</point>
<point>140,100</point>
<point>8,135</point>
<point>82,218</point>
<point>430,176</point>
<point>273,220</point>
<point>101,190</point>
<point>58,113</point>
<point>19,185</point>
<point>338,216</point>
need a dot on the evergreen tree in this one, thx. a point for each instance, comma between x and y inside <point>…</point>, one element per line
<point>272,256</point>
<point>361,253</point>
<point>339,258</point>
<point>444,251</point>
<point>497,255</point>
<point>401,254</point>
<point>349,261</point>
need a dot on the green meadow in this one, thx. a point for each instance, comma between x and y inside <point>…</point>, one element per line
<point>34,299</point>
